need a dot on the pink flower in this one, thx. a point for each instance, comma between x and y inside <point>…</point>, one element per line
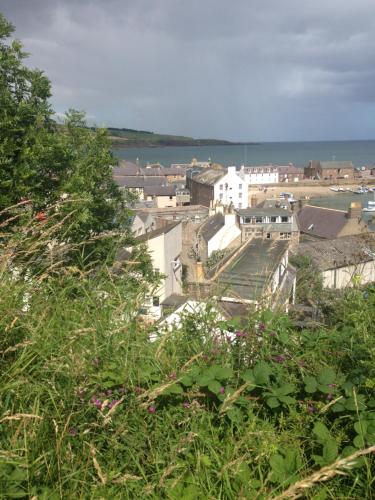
<point>151,409</point>
<point>186,404</point>
<point>222,390</point>
<point>72,431</point>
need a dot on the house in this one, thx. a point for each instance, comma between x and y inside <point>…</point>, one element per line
<point>143,222</point>
<point>182,197</point>
<point>260,274</point>
<point>217,232</point>
<point>164,245</point>
<point>259,175</point>
<point>290,173</point>
<point>328,223</point>
<point>273,219</point>
<point>343,261</point>
<point>329,170</point>
<point>218,186</point>
<point>163,196</point>
<point>138,184</point>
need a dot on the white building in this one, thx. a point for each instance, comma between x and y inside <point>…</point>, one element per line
<point>164,246</point>
<point>262,174</point>
<point>343,262</point>
<point>231,189</point>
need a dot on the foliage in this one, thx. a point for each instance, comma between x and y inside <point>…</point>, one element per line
<point>42,164</point>
<point>215,257</point>
<point>91,408</point>
<point>309,281</point>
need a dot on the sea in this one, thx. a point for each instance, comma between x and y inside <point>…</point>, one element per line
<point>279,153</point>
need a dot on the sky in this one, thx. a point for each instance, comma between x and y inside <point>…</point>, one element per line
<point>246,70</point>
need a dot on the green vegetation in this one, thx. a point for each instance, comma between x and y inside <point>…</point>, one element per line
<point>90,408</point>
<point>122,138</point>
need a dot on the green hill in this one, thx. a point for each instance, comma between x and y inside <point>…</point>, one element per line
<point>124,137</point>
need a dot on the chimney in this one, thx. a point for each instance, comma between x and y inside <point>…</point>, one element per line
<point>302,202</point>
<point>354,210</point>
<point>199,271</point>
<point>253,201</point>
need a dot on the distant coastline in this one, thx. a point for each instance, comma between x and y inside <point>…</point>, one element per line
<point>129,138</point>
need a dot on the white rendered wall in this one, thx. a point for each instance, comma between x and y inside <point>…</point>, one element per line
<point>225,236</point>
<point>234,190</point>
<point>345,275</point>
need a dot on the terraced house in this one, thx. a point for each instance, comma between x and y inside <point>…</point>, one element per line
<point>273,219</point>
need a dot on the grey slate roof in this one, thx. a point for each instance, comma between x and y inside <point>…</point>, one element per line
<point>340,252</point>
<point>157,232</point>
<point>263,211</point>
<point>336,164</point>
<point>249,274</point>
<point>160,190</point>
<point>139,181</point>
<point>321,222</point>
<point>209,176</point>
<point>211,226</point>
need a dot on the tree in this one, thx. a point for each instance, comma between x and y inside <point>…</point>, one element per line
<point>64,170</point>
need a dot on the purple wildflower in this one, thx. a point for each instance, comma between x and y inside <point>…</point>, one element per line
<point>311,409</point>
<point>113,403</point>
<point>151,409</point>
<point>329,397</point>
<point>97,403</point>
<point>172,376</point>
<point>222,390</point>
<point>72,431</point>
<point>261,327</point>
<point>273,334</point>
<point>279,358</point>
<point>240,334</point>
<point>332,385</point>
<point>186,404</point>
<point>109,392</point>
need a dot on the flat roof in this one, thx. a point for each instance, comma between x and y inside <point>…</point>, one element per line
<point>249,273</point>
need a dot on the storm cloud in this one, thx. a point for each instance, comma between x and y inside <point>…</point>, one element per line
<point>244,70</point>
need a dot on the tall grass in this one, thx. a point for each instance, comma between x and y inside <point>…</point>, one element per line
<point>89,408</point>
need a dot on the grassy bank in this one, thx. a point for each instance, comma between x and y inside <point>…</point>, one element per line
<point>90,408</point>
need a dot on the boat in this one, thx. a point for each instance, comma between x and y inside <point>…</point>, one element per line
<point>370,207</point>
<point>359,190</point>
<point>334,188</point>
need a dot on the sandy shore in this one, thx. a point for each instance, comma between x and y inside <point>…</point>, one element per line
<point>298,192</point>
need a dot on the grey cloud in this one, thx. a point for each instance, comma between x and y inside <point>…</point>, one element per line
<point>250,69</point>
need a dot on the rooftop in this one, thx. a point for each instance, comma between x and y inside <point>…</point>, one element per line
<point>249,274</point>
<point>160,190</point>
<point>264,211</point>
<point>138,181</point>
<point>340,252</point>
<point>211,226</point>
<point>209,176</point>
<point>321,222</point>
<point>157,232</point>
<point>336,164</point>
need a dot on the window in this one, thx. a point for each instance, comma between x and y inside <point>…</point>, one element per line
<point>221,187</point>
<point>239,186</point>
<point>273,219</point>
<point>240,205</point>
<point>221,196</point>
<point>171,197</point>
<point>285,236</point>
<point>268,235</point>
<point>284,218</point>
<point>155,301</point>
<point>258,220</point>
<point>240,195</point>
<point>247,220</point>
